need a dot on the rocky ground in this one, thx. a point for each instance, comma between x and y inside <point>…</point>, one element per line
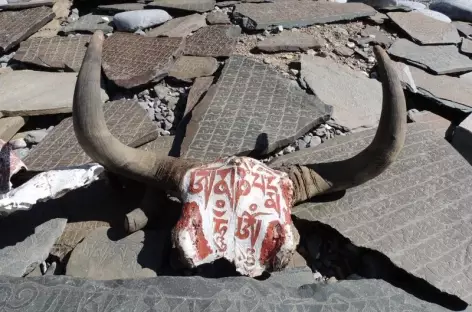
<point>281,77</point>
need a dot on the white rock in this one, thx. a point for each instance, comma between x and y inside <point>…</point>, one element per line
<point>350,45</point>
<point>140,19</point>
<point>280,28</point>
<point>18,143</point>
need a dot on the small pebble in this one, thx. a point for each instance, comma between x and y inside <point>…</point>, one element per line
<point>350,44</point>
<point>18,143</point>
<point>371,59</point>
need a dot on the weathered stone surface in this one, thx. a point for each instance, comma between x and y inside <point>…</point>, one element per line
<point>31,235</point>
<point>218,18</point>
<point>14,5</point>
<point>179,27</point>
<point>16,26</point>
<point>287,291</point>
<point>425,29</point>
<point>305,13</point>
<point>140,19</point>
<point>417,212</point>
<point>184,5</point>
<point>436,15</point>
<point>161,145</point>
<point>28,93</point>
<point>465,29</point>
<point>439,59</point>
<point>188,67</point>
<point>252,108</point>
<point>121,7</point>
<point>126,120</point>
<point>467,76</point>
<point>426,116</point>
<point>466,46</point>
<point>456,9</point>
<point>199,88</point>
<point>89,24</point>
<point>379,36</point>
<point>356,106</point>
<point>215,40</point>
<point>131,60</point>
<point>291,42</point>
<point>54,53</point>
<point>105,254</point>
<point>49,30</point>
<point>9,126</point>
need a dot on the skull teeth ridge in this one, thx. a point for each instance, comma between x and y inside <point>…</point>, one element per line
<point>238,209</point>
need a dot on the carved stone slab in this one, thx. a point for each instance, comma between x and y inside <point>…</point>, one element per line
<point>288,291</point>
<point>304,13</point>
<point>161,145</point>
<point>106,254</point>
<point>417,212</point>
<point>54,53</point>
<point>215,40</point>
<point>89,24</point>
<point>185,5</point>
<point>16,26</point>
<point>126,120</point>
<point>199,88</point>
<point>179,27</point>
<point>251,108</point>
<point>425,29</point>
<point>132,60</point>
<point>439,59</point>
<point>188,67</point>
<point>19,5</point>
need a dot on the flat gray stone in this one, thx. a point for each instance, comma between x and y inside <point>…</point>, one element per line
<point>199,88</point>
<point>434,14</point>
<point>161,145</point>
<point>287,291</point>
<point>16,26</point>
<point>466,46</point>
<point>379,36</point>
<point>20,5</point>
<point>29,93</point>
<point>105,254</point>
<point>455,9</point>
<point>140,19</point>
<point>426,116</point>
<point>417,212</point>
<point>49,30</point>
<point>9,126</point>
<point>356,106</point>
<point>425,29</point>
<point>218,18</point>
<point>290,42</point>
<point>465,29</point>
<point>179,27</point>
<point>214,40</point>
<point>251,109</point>
<point>184,5</point>
<point>89,24</point>
<point>189,67</point>
<point>31,235</point>
<point>304,13</point>
<point>439,59</point>
<point>121,7</point>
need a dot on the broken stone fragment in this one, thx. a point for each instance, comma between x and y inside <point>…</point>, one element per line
<point>218,18</point>
<point>9,126</point>
<point>179,27</point>
<point>290,42</point>
<point>188,67</point>
<point>133,20</point>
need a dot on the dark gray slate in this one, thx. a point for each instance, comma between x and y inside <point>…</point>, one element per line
<point>89,24</point>
<point>188,67</point>
<point>465,29</point>
<point>218,18</point>
<point>107,254</point>
<point>439,59</point>
<point>466,46</point>
<point>417,212</point>
<point>455,9</point>
<point>292,290</point>
<point>251,108</point>
<point>184,5</point>
<point>54,53</point>
<point>16,26</point>
<point>179,27</point>
<point>121,7</point>
<point>425,29</point>
<point>215,40</point>
<point>131,60</point>
<point>304,13</point>
<point>126,120</point>
<point>291,42</point>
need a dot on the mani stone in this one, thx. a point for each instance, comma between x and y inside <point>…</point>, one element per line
<point>438,59</point>
<point>290,14</point>
<point>106,255</point>
<point>425,29</point>
<point>465,29</point>
<point>287,291</point>
<point>252,109</point>
<point>49,30</point>
<point>54,53</point>
<point>127,121</point>
<point>140,19</point>
<point>89,24</point>
<point>30,93</point>
<point>121,7</point>
<point>9,126</point>
<point>355,107</point>
<point>16,26</point>
<point>161,145</point>
<point>199,88</point>
<point>417,212</point>
<point>455,9</point>
<point>215,40</point>
<point>218,18</point>
<point>132,60</point>
<point>466,46</point>
<point>179,27</point>
<point>184,5</point>
<point>188,67</point>
<point>290,42</point>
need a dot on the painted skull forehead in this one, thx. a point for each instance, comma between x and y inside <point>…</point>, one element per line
<point>237,209</point>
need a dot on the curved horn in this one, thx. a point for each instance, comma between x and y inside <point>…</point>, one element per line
<point>314,179</point>
<point>97,141</point>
